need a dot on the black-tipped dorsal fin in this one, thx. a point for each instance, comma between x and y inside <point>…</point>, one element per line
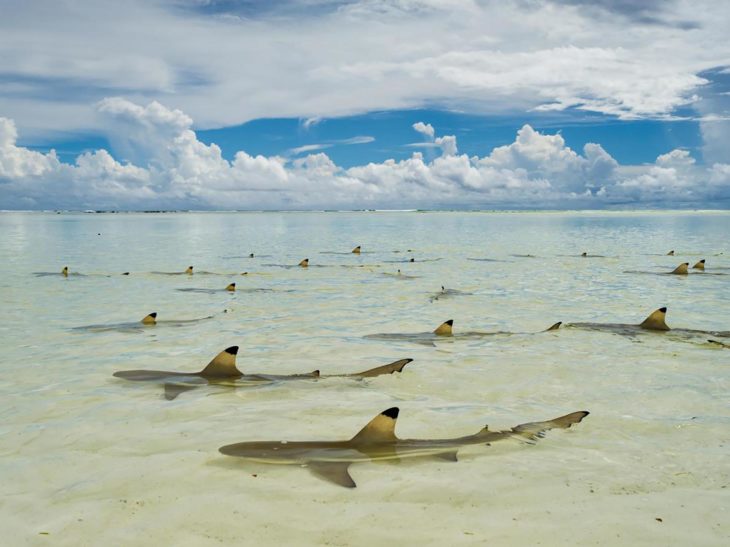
<point>380,429</point>
<point>304,263</point>
<point>65,271</point>
<point>356,250</point>
<point>584,254</point>
<point>189,270</point>
<point>555,326</point>
<point>223,365</point>
<point>670,253</point>
<point>681,269</point>
<point>656,320</point>
<point>231,287</point>
<point>700,265</point>
<point>445,328</point>
<point>149,319</point>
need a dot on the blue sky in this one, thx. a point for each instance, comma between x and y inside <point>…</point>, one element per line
<point>313,103</point>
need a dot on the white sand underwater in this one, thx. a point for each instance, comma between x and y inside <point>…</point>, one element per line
<point>88,459</point>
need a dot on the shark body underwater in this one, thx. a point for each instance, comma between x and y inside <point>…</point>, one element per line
<point>148,321</point>
<point>330,460</point>
<point>654,323</point>
<point>445,332</point>
<point>222,371</point>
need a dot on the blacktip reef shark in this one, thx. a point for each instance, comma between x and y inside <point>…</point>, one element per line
<point>149,320</point>
<point>63,273</point>
<point>222,371</point>
<point>400,275</point>
<point>682,270</point>
<point>655,322</point>
<point>356,251</point>
<point>445,332</point>
<point>445,293</point>
<point>377,442</point>
<point>230,288</point>
<point>188,271</point>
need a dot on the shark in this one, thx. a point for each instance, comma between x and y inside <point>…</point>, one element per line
<point>654,323</point>
<point>231,287</point>
<point>400,275</point>
<point>445,332</point>
<point>149,320</point>
<point>445,293</point>
<point>188,271</point>
<point>377,442</point>
<point>65,272</point>
<point>222,371</point>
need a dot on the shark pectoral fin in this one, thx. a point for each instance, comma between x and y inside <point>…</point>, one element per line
<point>173,390</point>
<point>656,321</point>
<point>445,328</point>
<point>396,366</point>
<point>149,319</point>
<point>336,472</point>
<point>556,326</point>
<point>447,456</point>
<point>533,431</point>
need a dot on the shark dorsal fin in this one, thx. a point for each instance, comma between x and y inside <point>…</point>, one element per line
<point>700,265</point>
<point>655,321</point>
<point>189,270</point>
<point>251,255</point>
<point>445,328</point>
<point>223,365</point>
<point>380,429</point>
<point>443,289</point>
<point>555,326</point>
<point>670,253</point>
<point>356,250</point>
<point>64,272</point>
<point>231,287</point>
<point>584,254</point>
<point>149,319</point>
<point>681,269</point>
<point>304,263</point>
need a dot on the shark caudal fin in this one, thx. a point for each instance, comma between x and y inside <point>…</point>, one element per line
<point>231,287</point>
<point>380,429</point>
<point>681,269</point>
<point>64,272</point>
<point>189,270</point>
<point>445,328</point>
<point>656,320</point>
<point>223,365</point>
<point>149,319</point>
<point>700,265</point>
<point>356,250</point>
<point>396,366</point>
<point>536,430</point>
<point>555,326</point>
<point>304,263</point>
<point>670,253</point>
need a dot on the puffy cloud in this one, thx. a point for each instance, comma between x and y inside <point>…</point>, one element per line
<point>176,170</point>
<point>424,129</point>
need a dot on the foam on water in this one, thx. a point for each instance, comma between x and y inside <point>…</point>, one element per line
<point>88,459</point>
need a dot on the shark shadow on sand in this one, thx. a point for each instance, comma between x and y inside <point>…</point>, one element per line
<point>222,371</point>
<point>330,460</point>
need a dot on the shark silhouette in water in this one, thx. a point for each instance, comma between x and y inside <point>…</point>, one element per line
<point>655,322</point>
<point>222,371</point>
<point>230,288</point>
<point>445,331</point>
<point>330,460</point>
<point>445,293</point>
<point>149,320</point>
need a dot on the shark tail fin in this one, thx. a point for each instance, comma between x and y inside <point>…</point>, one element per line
<point>231,287</point>
<point>189,270</point>
<point>681,269</point>
<point>700,265</point>
<point>223,365</point>
<point>64,272</point>
<point>149,319</point>
<point>396,366</point>
<point>445,328</point>
<point>554,326</point>
<point>304,263</point>
<point>531,432</point>
<point>656,320</point>
<point>379,429</point>
<point>356,250</point>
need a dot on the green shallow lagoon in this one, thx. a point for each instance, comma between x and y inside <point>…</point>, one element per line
<point>88,459</point>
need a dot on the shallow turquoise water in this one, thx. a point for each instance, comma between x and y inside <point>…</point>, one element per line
<point>89,459</point>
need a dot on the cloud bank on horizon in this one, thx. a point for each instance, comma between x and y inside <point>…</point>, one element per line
<point>170,168</point>
<point>140,72</point>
